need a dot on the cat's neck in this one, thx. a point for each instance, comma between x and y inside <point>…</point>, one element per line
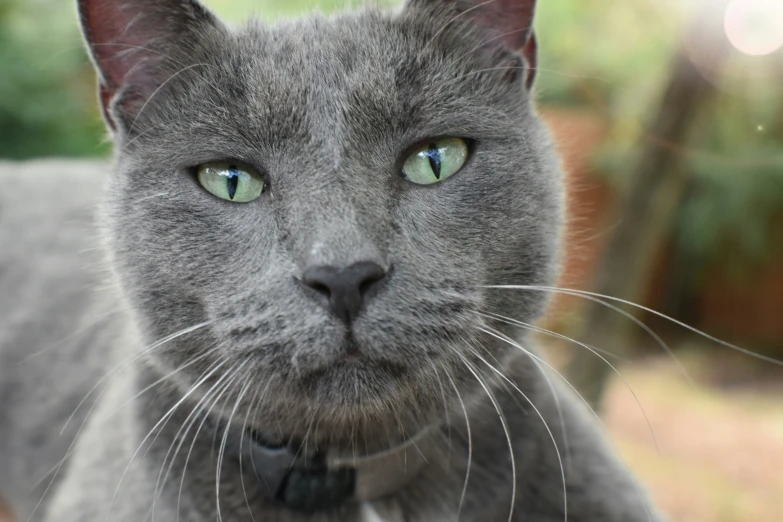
<point>183,434</point>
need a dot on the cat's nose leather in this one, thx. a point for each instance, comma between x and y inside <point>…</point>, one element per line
<point>344,287</point>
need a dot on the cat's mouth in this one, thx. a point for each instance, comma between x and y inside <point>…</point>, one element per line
<point>376,397</point>
<point>351,379</point>
<point>350,348</point>
<point>357,367</point>
<point>348,352</point>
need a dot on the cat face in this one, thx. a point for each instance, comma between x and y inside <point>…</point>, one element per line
<point>321,115</point>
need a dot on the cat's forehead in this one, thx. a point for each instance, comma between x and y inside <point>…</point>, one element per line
<point>403,51</point>
<point>367,85</point>
<point>370,70</point>
<point>337,62</point>
<point>331,48</point>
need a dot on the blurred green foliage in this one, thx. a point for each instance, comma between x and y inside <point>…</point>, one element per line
<point>609,57</point>
<point>734,209</point>
<point>613,59</point>
<point>47,100</point>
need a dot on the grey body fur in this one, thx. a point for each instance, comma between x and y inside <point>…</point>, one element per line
<point>325,108</point>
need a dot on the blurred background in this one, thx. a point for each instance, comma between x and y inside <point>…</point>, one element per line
<point>669,118</point>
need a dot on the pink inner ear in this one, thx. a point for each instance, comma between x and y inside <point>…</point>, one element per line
<point>511,19</point>
<point>530,54</point>
<point>115,31</point>
<point>512,22</point>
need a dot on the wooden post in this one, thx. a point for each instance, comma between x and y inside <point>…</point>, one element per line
<point>654,191</point>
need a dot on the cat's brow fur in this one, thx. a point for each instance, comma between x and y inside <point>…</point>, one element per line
<point>327,109</point>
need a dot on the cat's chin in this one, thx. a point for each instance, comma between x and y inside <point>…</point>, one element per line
<point>350,396</point>
<point>355,387</point>
<point>352,380</point>
<point>348,358</point>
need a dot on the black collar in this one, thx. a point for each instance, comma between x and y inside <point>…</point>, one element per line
<point>310,480</point>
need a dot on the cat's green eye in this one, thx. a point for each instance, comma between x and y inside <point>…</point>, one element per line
<point>231,182</point>
<point>436,161</point>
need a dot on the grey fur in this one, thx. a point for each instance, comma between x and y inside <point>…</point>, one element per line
<point>325,108</point>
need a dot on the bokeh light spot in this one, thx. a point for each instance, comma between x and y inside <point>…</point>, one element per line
<point>755,27</point>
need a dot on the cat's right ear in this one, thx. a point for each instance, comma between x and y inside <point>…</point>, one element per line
<point>510,22</point>
<point>136,45</point>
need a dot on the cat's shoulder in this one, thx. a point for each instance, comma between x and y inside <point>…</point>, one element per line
<point>47,203</point>
<point>49,234</point>
<point>50,184</point>
<point>57,318</point>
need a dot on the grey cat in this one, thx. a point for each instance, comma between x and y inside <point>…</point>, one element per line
<point>282,310</point>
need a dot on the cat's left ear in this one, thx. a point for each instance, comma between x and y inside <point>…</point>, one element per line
<point>137,45</point>
<point>509,21</point>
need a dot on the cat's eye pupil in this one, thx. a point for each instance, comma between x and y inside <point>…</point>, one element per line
<point>232,181</point>
<point>435,160</point>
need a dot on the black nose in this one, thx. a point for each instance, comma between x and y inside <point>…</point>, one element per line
<point>344,287</point>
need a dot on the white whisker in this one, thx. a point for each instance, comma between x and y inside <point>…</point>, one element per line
<point>586,295</point>
<point>504,423</point>
<point>470,443</point>
<point>158,89</point>
<point>163,379</point>
<point>111,415</point>
<point>221,453</point>
<point>538,360</point>
<point>622,312</point>
<point>145,198</point>
<point>258,395</point>
<point>454,19</point>
<point>163,419</point>
<point>122,365</point>
<point>187,424</point>
<point>615,370</point>
<point>129,360</point>
<point>445,406</point>
<point>546,426</point>
<point>59,343</point>
<point>228,377</point>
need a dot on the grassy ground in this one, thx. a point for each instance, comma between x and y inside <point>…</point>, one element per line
<point>721,450</point>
